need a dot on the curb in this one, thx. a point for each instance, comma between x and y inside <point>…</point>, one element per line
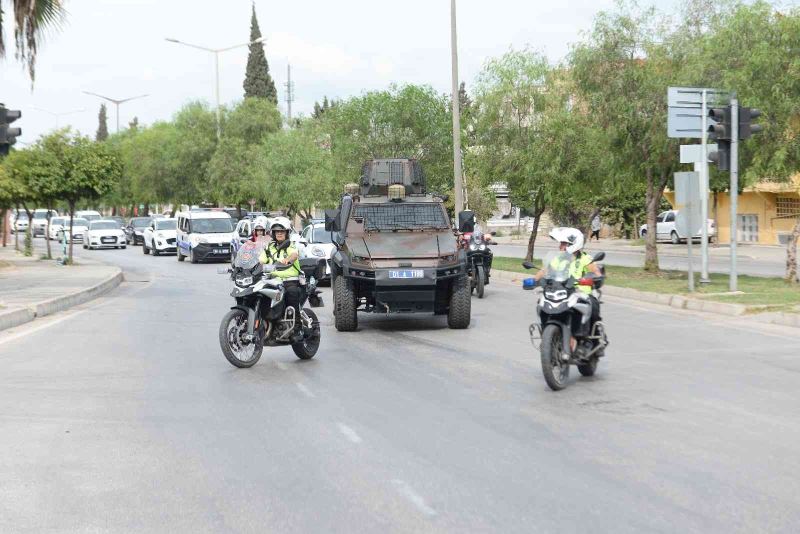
<point>20,316</point>
<point>676,301</point>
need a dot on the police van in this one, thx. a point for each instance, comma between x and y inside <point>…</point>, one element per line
<point>204,235</point>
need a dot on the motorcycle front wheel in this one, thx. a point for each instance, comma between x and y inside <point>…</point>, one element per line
<point>480,280</point>
<point>307,349</point>
<point>554,368</point>
<point>237,351</point>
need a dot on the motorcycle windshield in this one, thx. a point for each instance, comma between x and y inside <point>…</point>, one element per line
<point>248,254</point>
<point>557,266</point>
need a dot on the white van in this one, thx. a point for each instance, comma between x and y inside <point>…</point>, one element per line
<point>204,235</point>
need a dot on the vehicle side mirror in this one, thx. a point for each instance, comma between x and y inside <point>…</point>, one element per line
<point>527,265</point>
<point>600,256</point>
<point>332,221</point>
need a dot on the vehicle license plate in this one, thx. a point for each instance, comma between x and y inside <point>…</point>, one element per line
<point>410,273</point>
<point>220,251</point>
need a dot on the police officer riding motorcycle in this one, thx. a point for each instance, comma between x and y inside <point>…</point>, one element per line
<point>570,330</point>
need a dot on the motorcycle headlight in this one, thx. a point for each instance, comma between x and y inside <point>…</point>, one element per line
<point>483,247</point>
<point>243,281</point>
<point>473,246</point>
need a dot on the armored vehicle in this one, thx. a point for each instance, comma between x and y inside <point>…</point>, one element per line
<point>397,252</point>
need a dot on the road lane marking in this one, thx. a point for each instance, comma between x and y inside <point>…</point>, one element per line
<point>415,498</point>
<point>349,433</point>
<point>33,329</point>
<point>307,392</point>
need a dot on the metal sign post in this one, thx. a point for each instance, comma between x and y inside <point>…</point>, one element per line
<point>687,202</point>
<point>733,284</point>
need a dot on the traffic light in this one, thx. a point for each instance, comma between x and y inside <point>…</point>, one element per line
<point>721,132</point>
<point>746,126</point>
<point>8,136</point>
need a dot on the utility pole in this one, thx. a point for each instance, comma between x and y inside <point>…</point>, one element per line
<point>457,174</point>
<point>704,186</point>
<point>289,93</point>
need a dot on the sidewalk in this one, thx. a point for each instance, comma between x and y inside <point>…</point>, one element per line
<point>749,250</point>
<point>31,288</point>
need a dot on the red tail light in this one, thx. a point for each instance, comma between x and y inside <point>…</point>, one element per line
<point>586,282</point>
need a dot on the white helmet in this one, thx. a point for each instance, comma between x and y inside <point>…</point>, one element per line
<point>260,222</point>
<point>280,223</point>
<point>573,236</point>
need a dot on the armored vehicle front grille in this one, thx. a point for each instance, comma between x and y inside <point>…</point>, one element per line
<point>401,216</point>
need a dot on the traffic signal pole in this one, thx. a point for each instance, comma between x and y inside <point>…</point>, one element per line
<point>704,187</point>
<point>734,189</point>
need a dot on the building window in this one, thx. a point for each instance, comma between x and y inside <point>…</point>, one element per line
<point>788,206</point>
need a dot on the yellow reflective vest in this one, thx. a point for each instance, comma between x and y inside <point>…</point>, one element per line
<point>271,254</point>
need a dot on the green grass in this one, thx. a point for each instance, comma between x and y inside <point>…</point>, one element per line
<point>774,293</point>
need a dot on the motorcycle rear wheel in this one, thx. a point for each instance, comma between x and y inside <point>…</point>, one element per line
<point>236,351</point>
<point>554,368</point>
<point>307,349</point>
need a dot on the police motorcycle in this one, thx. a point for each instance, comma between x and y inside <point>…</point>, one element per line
<point>479,256</point>
<point>561,311</point>
<point>261,316</point>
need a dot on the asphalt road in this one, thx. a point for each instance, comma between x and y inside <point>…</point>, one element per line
<point>123,416</point>
<point>750,261</point>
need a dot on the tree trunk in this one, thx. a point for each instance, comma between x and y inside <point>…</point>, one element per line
<point>16,234</point>
<point>28,245</point>
<point>238,210</point>
<point>4,223</point>
<point>47,235</point>
<point>652,200</point>
<point>537,215</point>
<point>791,255</point>
<point>114,210</point>
<point>146,210</point>
<point>71,239</point>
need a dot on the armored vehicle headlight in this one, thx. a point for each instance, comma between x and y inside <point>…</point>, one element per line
<point>397,192</point>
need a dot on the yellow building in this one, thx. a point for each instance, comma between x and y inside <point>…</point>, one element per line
<point>767,212</point>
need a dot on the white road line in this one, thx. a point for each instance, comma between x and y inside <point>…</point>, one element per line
<point>349,433</point>
<point>281,366</point>
<point>304,390</point>
<point>416,499</point>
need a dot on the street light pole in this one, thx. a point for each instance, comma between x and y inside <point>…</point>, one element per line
<point>116,102</point>
<point>59,113</point>
<point>216,52</point>
<point>457,173</point>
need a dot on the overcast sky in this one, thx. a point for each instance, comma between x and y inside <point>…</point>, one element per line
<point>338,49</point>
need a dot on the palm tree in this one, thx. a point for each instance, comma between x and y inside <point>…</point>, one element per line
<point>31,19</point>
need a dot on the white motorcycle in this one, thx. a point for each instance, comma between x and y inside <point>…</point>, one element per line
<point>261,316</point>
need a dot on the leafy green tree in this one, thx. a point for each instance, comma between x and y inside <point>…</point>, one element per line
<point>765,77</point>
<point>232,172</point>
<point>85,170</point>
<point>190,151</point>
<point>29,169</point>
<point>622,71</point>
<point>134,124</point>
<point>294,170</point>
<point>102,128</point>
<point>32,19</point>
<point>409,121</point>
<point>252,119</point>
<point>257,81</point>
<point>13,193</point>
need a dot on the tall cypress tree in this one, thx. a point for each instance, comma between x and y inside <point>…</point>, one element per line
<point>257,81</point>
<point>102,127</point>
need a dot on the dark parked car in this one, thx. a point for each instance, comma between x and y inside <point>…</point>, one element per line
<point>134,232</point>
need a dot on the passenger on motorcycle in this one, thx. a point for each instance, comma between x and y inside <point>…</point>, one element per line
<point>260,231</point>
<point>281,251</point>
<point>571,240</point>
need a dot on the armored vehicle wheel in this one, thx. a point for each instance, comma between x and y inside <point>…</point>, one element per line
<point>458,316</point>
<point>344,305</point>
